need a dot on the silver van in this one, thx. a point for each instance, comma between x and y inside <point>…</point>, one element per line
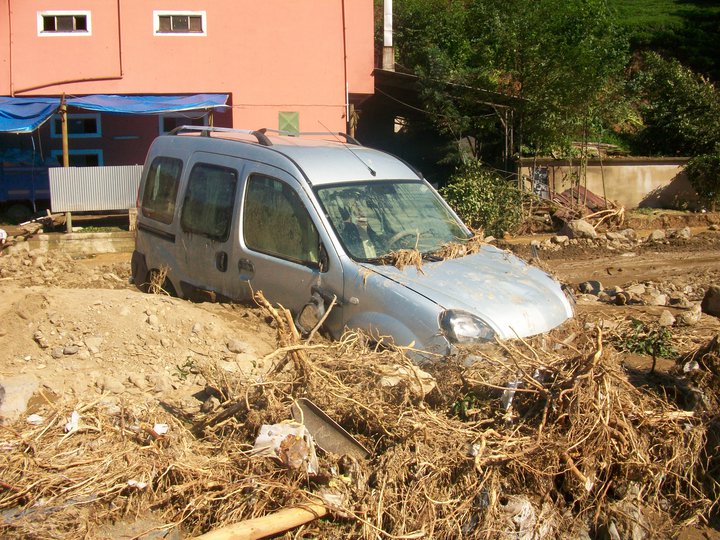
<point>307,220</point>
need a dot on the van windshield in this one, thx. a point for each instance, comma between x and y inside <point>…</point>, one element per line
<point>374,219</point>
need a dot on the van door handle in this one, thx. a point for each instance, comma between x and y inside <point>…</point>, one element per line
<point>221,261</point>
<point>246,269</point>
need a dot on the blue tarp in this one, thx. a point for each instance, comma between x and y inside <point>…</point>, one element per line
<point>25,114</point>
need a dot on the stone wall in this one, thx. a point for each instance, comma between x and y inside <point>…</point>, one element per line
<point>631,182</point>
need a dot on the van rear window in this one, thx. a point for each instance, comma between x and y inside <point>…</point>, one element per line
<point>209,200</point>
<point>161,187</point>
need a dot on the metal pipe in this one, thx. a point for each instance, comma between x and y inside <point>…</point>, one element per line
<point>388,59</point>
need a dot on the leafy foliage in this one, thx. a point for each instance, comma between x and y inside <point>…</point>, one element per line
<point>484,199</point>
<point>655,342</point>
<point>680,109</point>
<point>553,61</point>
<point>704,175</point>
<point>687,30</point>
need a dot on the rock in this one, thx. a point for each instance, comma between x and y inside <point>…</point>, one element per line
<point>236,346</point>
<point>685,233</point>
<point>579,228</point>
<point>656,300</point>
<point>666,318</point>
<point>93,344</point>
<point>57,353</point>
<point>153,320</point>
<point>560,239</point>
<point>196,328</point>
<point>680,301</point>
<point>622,298</point>
<point>70,350</point>
<point>657,235</point>
<point>629,234</point>
<point>112,385</point>
<point>711,301</point>
<point>638,289</point>
<point>40,340</point>
<point>138,380</point>
<point>615,236</point>
<point>690,317</point>
<point>15,392</point>
<point>227,366</point>
<point>714,227</point>
<point>160,382</point>
<point>590,287</point>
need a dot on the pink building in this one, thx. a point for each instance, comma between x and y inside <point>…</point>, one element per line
<point>280,64</point>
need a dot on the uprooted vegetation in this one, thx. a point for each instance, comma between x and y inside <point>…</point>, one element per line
<point>520,440</point>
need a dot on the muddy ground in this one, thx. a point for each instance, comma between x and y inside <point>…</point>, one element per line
<point>77,327</point>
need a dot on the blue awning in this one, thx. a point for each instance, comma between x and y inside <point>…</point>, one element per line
<point>148,104</point>
<point>25,114</point>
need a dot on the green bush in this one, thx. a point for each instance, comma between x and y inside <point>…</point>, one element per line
<point>704,175</point>
<point>484,199</point>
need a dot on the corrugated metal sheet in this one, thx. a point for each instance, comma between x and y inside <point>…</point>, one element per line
<point>91,189</point>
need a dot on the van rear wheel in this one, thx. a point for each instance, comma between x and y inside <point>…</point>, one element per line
<point>158,282</point>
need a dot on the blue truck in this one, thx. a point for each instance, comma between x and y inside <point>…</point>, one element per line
<point>23,191</point>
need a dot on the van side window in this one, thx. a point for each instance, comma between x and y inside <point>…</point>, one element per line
<point>208,204</point>
<point>161,186</point>
<point>276,222</point>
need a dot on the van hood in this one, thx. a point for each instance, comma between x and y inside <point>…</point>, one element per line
<point>511,296</point>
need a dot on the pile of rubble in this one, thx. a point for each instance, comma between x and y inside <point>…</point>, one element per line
<point>582,233</point>
<point>37,267</point>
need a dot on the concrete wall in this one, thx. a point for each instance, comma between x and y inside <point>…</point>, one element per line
<point>631,182</point>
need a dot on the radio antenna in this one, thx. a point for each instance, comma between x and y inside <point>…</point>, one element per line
<point>347,146</point>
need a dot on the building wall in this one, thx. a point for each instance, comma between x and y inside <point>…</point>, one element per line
<point>270,56</point>
<point>638,182</point>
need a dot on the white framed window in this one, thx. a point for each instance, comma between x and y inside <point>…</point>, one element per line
<point>64,23</point>
<point>168,122</point>
<point>179,23</point>
<point>80,126</point>
<point>80,158</point>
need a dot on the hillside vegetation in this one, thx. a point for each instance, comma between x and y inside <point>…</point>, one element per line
<point>687,30</point>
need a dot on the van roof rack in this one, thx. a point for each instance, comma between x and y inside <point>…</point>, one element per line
<point>259,134</point>
<point>207,130</point>
<point>349,139</point>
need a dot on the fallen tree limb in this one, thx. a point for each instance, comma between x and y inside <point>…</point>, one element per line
<point>269,525</point>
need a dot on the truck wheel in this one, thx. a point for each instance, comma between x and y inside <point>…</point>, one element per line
<point>18,213</point>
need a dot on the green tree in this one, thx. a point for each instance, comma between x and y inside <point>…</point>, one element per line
<point>483,199</point>
<point>680,109</point>
<point>704,174</point>
<point>553,61</point>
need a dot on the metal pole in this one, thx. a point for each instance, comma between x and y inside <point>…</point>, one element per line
<point>66,153</point>
<point>388,59</point>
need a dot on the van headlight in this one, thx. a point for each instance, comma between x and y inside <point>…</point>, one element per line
<point>463,327</point>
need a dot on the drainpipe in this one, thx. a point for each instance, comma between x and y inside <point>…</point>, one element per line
<point>345,68</point>
<point>388,59</point>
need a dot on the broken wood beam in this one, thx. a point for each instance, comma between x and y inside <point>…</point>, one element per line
<point>269,525</point>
